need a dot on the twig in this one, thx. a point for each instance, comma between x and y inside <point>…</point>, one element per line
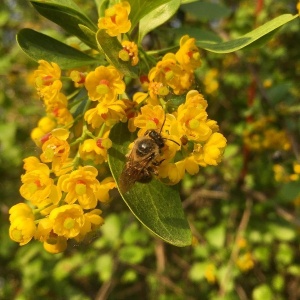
<point>235,249</point>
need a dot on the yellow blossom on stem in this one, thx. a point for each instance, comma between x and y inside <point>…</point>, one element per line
<point>95,149</point>
<point>195,99</point>
<point>45,125</point>
<point>78,77</point>
<point>188,54</point>
<point>104,83</point>
<point>116,19</point>
<point>176,171</point>
<point>20,210</point>
<point>81,185</point>
<point>156,90</point>
<point>151,117</point>
<point>47,79</point>
<point>210,273</point>
<point>106,112</point>
<point>193,123</point>
<point>212,151</point>
<point>56,149</point>
<point>245,262</point>
<point>92,221</point>
<point>67,220</point>
<point>169,73</point>
<point>129,52</point>
<point>51,241</point>
<point>57,246</point>
<point>105,186</point>
<point>22,230</point>
<point>37,186</point>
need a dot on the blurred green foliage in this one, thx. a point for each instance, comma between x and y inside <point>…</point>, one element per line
<point>246,223</point>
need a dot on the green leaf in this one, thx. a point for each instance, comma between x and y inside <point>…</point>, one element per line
<point>40,46</point>
<point>111,48</point>
<point>157,17</point>
<point>155,204</point>
<point>216,236</point>
<point>206,11</point>
<point>263,291</point>
<point>69,16</point>
<point>140,8</point>
<point>255,35</point>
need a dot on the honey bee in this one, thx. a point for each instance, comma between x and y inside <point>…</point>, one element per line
<point>142,160</point>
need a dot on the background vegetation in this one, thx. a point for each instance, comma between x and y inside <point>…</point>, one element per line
<point>244,213</point>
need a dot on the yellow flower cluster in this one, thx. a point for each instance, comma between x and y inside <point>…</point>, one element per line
<point>263,135</point>
<point>284,173</point>
<point>245,260</point>
<point>66,184</point>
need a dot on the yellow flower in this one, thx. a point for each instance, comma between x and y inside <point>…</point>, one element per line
<point>44,231</point>
<point>169,73</point>
<point>22,229</point>
<point>45,125</point>
<point>245,262</point>
<point>47,79</point>
<point>106,112</point>
<point>195,99</point>
<point>95,149</point>
<point>116,19</point>
<point>56,149</point>
<point>104,83</point>
<point>81,185</point>
<point>211,152</point>
<point>67,220</point>
<point>20,210</point>
<point>210,81</point>
<point>58,246</point>
<point>296,167</point>
<point>156,90</point>
<point>188,54</point>
<point>92,221</point>
<point>78,77</point>
<point>210,273</point>
<point>105,186</point>
<point>38,186</point>
<point>151,117</point>
<point>193,123</point>
<point>129,52</point>
<point>176,171</point>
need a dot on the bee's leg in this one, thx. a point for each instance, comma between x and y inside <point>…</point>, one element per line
<point>157,163</point>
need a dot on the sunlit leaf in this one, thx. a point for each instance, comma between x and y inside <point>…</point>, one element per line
<point>40,46</point>
<point>157,17</point>
<point>140,8</point>
<point>249,38</point>
<point>69,16</point>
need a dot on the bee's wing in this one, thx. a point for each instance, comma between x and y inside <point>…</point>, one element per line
<point>132,172</point>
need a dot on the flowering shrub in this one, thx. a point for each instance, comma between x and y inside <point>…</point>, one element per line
<point>91,111</point>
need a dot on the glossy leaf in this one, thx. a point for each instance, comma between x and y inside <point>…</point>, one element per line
<point>111,48</point>
<point>141,8</point>
<point>157,17</point>
<point>69,16</point>
<point>40,46</point>
<point>206,11</point>
<point>251,37</point>
<point>155,204</point>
